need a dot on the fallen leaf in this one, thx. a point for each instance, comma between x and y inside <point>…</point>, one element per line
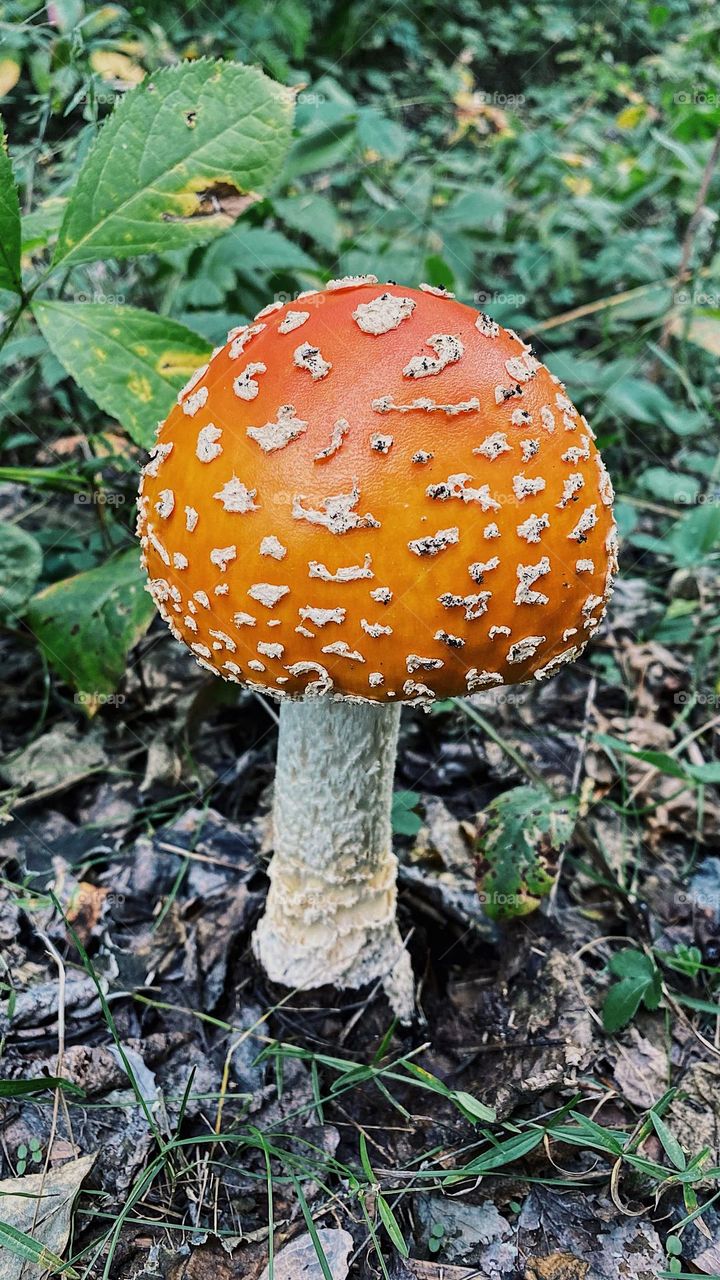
<point>47,1219</point>
<point>641,1070</point>
<point>299,1261</point>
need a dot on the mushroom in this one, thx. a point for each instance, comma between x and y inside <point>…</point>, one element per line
<point>370,496</point>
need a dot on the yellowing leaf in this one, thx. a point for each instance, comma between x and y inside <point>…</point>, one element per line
<point>574,159</point>
<point>703,330</point>
<point>578,186</point>
<point>631,117</point>
<point>115,66</point>
<point>9,75</point>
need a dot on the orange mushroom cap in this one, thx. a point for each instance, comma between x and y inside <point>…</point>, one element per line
<point>377,492</point>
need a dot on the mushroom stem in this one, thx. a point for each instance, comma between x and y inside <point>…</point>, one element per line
<point>330,916</point>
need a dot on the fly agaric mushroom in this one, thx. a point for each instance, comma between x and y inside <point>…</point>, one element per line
<point>369,496</point>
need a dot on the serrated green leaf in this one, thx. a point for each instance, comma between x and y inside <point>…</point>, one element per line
<point>10,276</point>
<point>87,624</point>
<point>630,963</point>
<point>20,564</point>
<point>188,138</point>
<point>525,831</point>
<point>130,362</point>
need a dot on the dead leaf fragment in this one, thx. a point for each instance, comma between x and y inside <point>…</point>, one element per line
<point>299,1261</point>
<point>41,1206</point>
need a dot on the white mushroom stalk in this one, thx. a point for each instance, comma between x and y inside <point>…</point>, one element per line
<point>330,916</point>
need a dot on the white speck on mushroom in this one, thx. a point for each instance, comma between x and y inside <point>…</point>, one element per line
<point>478,569</point>
<point>202,598</point>
<point>474,605</point>
<point>605,483</point>
<point>491,531</point>
<point>386,404</point>
<point>165,504</point>
<point>494,445</point>
<point>506,393</point>
<point>438,290</point>
<point>383,595</point>
<point>235,497</point>
<point>179,560</point>
<point>520,418</point>
<point>547,418</point>
<point>381,444</point>
<point>267,593</point>
<point>222,589</point>
<point>232,669</point>
<point>244,620</point>
<point>375,679</point>
<point>308,357</point>
<point>571,486</point>
<point>158,454</point>
<point>324,681</point>
<point>195,401</point>
<point>383,313</point>
<point>569,423</point>
<point>207,447</point>
<point>226,641</point>
<point>532,528</point>
<point>528,574</point>
<point>591,604</point>
<point>223,556</point>
<point>349,282</point>
<point>422,456</point>
<point>272,546</point>
<point>420,693</point>
<point>498,631</point>
<point>487,327</point>
<point>522,367</point>
<point>191,519</point>
<point>274,622</point>
<point>337,514</point>
<point>157,544</point>
<point>281,432</point>
<point>414,662</point>
<point>452,642</point>
<point>456,487</point>
<point>190,623</point>
<point>192,382</point>
<point>587,521</point>
<point>475,679</point>
<point>246,385</point>
<point>565,405</point>
<point>201,649</point>
<point>256,665</point>
<point>523,649</point>
<point>305,631</point>
<point>550,668</point>
<point>292,320</point>
<point>448,350</point>
<point>347,573</point>
<point>577,453</point>
<point>239,338</point>
<point>375,629</point>
<point>529,449</point>
<point>270,309</point>
<point>432,545</point>
<point>524,487</point>
<point>342,650</point>
<point>568,632</point>
<point>339,432</point>
<point>321,617</point>
<point>269,650</point>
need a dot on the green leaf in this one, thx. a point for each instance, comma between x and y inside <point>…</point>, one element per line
<point>130,362</point>
<point>43,1084</point>
<point>671,1146</point>
<point>630,963</point>
<point>10,277</point>
<point>87,624</point>
<point>525,831</point>
<point>30,1250</point>
<point>622,1003</point>
<point>470,1107</point>
<point>670,486</point>
<point>392,1226</point>
<point>189,139</point>
<point>20,564</point>
<point>405,822</point>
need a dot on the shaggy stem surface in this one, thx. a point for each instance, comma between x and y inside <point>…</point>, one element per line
<point>330,916</point>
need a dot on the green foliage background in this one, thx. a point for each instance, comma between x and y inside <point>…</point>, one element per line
<point>550,162</point>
